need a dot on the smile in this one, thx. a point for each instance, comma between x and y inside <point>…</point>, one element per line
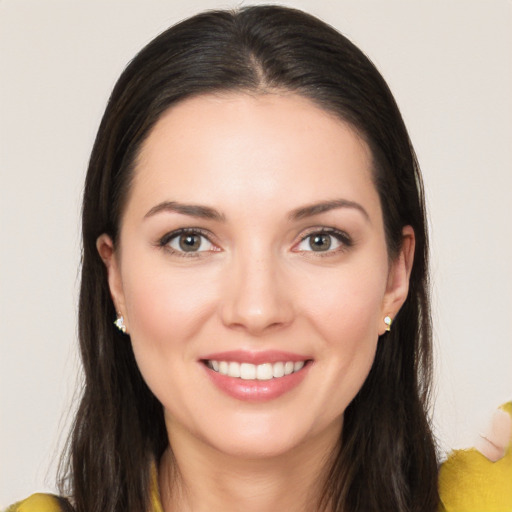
<point>249,371</point>
<point>256,376</point>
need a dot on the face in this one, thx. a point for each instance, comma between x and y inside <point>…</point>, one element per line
<point>252,270</point>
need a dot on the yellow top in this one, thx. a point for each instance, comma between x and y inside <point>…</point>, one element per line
<point>49,503</point>
<point>468,482</point>
<point>37,503</point>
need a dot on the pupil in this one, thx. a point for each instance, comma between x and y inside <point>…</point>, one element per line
<point>189,242</point>
<point>320,242</point>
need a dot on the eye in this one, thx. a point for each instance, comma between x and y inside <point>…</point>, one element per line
<point>324,240</point>
<point>187,241</point>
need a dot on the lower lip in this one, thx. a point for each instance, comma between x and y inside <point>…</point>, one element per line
<point>257,390</point>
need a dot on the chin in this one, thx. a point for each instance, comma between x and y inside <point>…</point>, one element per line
<point>262,438</point>
<point>263,447</point>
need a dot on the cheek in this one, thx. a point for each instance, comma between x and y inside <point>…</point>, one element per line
<point>166,310</point>
<point>162,301</point>
<point>346,313</point>
<point>345,304</point>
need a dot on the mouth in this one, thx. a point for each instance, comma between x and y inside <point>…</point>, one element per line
<point>256,376</point>
<point>260,372</point>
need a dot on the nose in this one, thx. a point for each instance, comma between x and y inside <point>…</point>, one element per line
<point>256,298</point>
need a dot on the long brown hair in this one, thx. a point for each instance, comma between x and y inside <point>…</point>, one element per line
<point>386,456</point>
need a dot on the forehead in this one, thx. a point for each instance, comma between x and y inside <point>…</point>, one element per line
<point>260,147</point>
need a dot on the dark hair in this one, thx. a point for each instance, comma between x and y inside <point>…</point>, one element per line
<point>386,457</point>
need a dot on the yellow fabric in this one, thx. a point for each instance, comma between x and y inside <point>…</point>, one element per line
<point>156,504</point>
<point>37,503</point>
<point>50,503</point>
<point>469,482</point>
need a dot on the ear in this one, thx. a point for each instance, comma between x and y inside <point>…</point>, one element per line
<point>106,250</point>
<point>399,274</point>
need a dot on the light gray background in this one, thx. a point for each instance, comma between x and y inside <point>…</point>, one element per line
<point>449,64</point>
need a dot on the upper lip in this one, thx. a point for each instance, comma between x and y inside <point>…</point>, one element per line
<point>243,356</point>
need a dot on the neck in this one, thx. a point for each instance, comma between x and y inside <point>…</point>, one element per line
<point>195,477</point>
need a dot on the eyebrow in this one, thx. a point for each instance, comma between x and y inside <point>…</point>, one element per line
<point>325,206</point>
<point>193,210</point>
<point>206,212</point>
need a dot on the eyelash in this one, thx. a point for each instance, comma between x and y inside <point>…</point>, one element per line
<point>343,238</point>
<point>166,239</point>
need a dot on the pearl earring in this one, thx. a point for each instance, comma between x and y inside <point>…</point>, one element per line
<point>119,323</point>
<point>388,322</point>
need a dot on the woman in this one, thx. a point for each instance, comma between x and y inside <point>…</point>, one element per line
<point>253,221</point>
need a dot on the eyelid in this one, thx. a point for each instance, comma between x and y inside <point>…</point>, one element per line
<point>164,241</point>
<point>343,237</point>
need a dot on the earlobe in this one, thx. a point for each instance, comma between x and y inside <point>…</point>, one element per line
<point>398,279</point>
<point>106,250</point>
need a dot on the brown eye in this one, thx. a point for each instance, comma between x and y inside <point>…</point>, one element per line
<point>328,240</point>
<point>189,242</point>
<point>320,242</point>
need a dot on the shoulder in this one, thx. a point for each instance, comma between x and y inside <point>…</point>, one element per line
<point>40,503</point>
<point>479,479</point>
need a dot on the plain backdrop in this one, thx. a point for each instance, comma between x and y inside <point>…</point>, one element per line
<point>449,64</point>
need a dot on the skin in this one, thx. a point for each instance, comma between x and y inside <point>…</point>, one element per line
<point>255,285</point>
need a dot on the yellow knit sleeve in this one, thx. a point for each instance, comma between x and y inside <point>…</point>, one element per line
<point>37,503</point>
<point>469,482</point>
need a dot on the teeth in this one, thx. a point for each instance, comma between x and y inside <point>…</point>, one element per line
<point>298,365</point>
<point>248,371</point>
<point>288,367</point>
<point>264,371</point>
<point>278,370</point>
<point>234,369</point>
